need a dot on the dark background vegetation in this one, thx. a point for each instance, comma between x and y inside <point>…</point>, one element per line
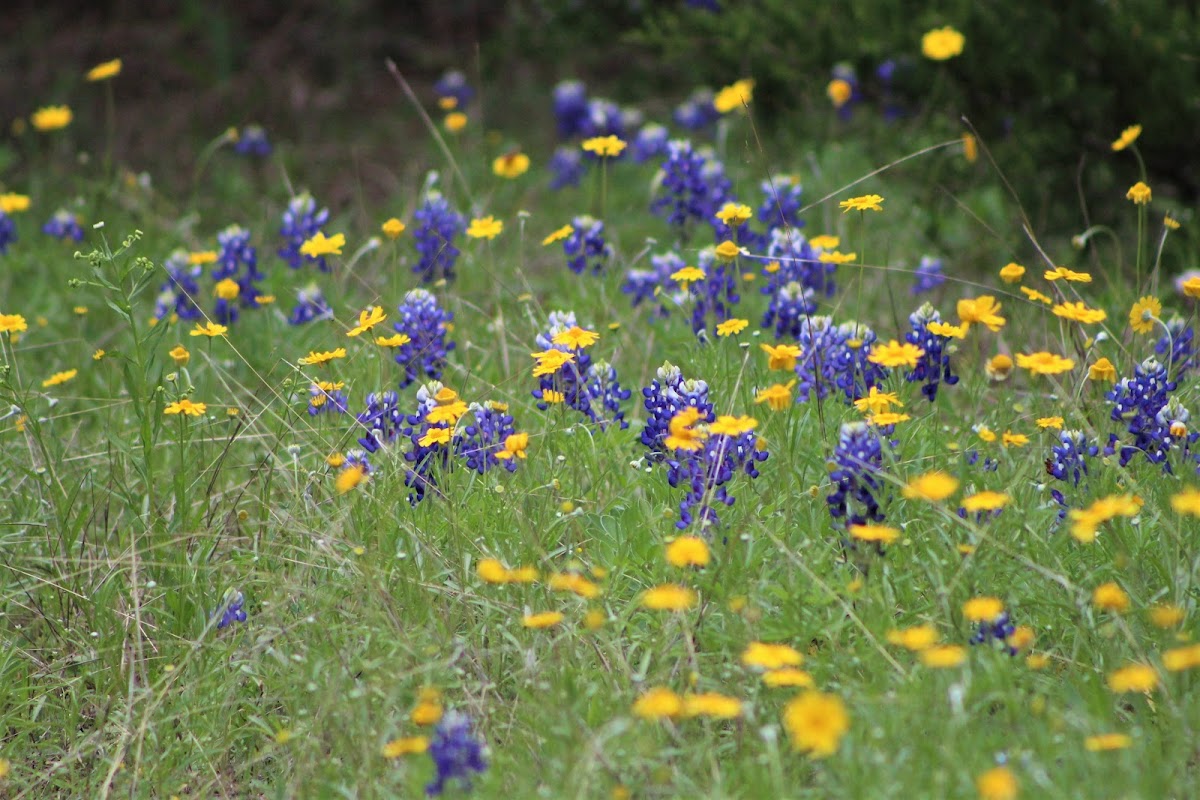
<point>1048,85</point>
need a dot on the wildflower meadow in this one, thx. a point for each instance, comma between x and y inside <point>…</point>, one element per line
<point>640,451</point>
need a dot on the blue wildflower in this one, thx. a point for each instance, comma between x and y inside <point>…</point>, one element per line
<point>1137,402</point>
<point>177,294</point>
<point>237,260</point>
<point>855,374</point>
<point>650,142</point>
<point>999,629</point>
<point>1179,343</point>
<point>567,167</point>
<point>816,369</point>
<point>790,306</point>
<point>691,189</point>
<point>846,72</point>
<point>233,612</point>
<point>792,259</point>
<point>591,389</point>
<point>648,284</point>
<point>326,397</point>
<point>705,473</point>
<point>484,436</point>
<point>382,422</point>
<point>570,108</point>
<point>605,396</point>
<point>456,753</point>
<point>1068,462</point>
<point>714,296</point>
<point>933,368</point>
<point>697,112</point>
<point>781,203</point>
<point>586,246</point>
<point>438,224</point>
<point>64,225</point>
<point>667,395</point>
<point>604,118</point>
<point>310,305</point>
<point>429,454</point>
<point>835,358</point>
<point>856,476</point>
<point>301,221</point>
<point>425,323</point>
<point>252,142</point>
<point>453,91</point>
<point>360,459</point>
<point>928,275</point>
<point>8,232</point>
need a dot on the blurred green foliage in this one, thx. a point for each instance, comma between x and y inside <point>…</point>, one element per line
<point>1045,84</point>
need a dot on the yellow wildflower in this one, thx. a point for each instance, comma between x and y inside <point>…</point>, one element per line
<point>941,44</point>
<point>511,165</point>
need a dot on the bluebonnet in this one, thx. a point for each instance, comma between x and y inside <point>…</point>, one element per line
<point>8,232</point>
<point>424,459</point>
<point>720,187</point>
<point>252,142</point>
<point>846,72</point>
<point>453,85</point>
<point>650,142</point>
<point>438,224</point>
<point>856,475</point>
<point>604,118</point>
<point>797,261</point>
<point>855,375</point>
<point>886,75</point>
<point>358,458</point>
<point>425,323</point>
<point>1179,343</point>
<point>742,235</point>
<point>237,260</point>
<point>697,112</point>
<point>655,283</point>
<point>1068,462</point>
<point>667,395</point>
<point>233,612</point>
<point>177,294</point>
<point>64,225</point>
<point>301,220</point>
<point>714,296</point>
<point>605,396</point>
<point>234,252</point>
<point>1137,402</point>
<point>788,309</point>
<point>326,397</point>
<point>567,167</point>
<point>586,246</point>
<point>592,389</point>
<point>713,6</point>
<point>816,369</point>
<point>705,472</point>
<point>483,436</point>
<point>835,359</point>
<point>692,188</point>
<point>382,422</point>
<point>310,305</point>
<point>781,203</point>
<point>999,629</point>
<point>928,275</point>
<point>456,752</point>
<point>933,368</point>
<point>570,108</point>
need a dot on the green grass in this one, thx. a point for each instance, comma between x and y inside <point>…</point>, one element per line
<point>123,531</point>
